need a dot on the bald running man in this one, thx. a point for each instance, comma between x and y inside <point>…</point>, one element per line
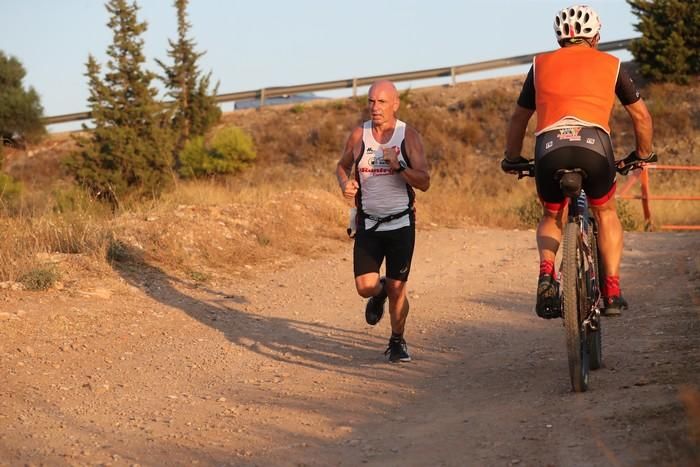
<point>389,163</point>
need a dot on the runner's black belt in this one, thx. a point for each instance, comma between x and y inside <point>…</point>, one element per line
<point>380,220</point>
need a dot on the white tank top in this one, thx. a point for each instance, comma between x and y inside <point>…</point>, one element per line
<point>382,191</point>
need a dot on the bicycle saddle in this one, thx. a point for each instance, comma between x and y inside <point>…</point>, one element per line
<point>570,181</point>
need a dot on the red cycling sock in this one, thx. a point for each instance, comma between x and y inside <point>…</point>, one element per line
<point>611,286</point>
<point>547,267</point>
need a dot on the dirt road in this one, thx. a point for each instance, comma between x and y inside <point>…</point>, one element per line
<point>131,366</point>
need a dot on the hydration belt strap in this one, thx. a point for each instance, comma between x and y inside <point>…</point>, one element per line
<point>379,220</point>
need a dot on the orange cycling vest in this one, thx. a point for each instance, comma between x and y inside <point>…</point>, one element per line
<point>577,82</point>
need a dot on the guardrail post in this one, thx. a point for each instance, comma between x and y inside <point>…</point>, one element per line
<point>453,74</point>
<point>644,179</point>
<point>354,87</point>
<point>262,97</point>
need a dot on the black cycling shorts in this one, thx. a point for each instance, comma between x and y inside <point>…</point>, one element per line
<point>395,245</point>
<point>586,148</point>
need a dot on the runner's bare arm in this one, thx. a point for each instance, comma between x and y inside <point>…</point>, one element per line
<point>643,127</point>
<point>516,131</point>
<point>345,163</point>
<point>418,174</point>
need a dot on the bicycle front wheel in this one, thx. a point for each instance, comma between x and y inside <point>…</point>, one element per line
<point>573,301</point>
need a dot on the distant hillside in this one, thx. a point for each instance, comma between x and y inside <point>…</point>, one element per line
<point>463,128</point>
<point>289,203</point>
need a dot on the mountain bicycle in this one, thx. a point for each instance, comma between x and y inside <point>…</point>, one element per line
<point>579,284</point>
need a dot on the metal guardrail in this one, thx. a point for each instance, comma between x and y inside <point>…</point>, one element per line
<point>354,83</point>
<point>643,177</point>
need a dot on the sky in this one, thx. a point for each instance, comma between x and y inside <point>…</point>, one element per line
<point>263,43</point>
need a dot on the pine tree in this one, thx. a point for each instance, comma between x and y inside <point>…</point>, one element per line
<point>669,49</point>
<point>20,108</point>
<point>195,109</point>
<point>129,151</point>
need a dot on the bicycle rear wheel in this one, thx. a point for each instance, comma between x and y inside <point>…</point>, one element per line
<point>573,299</point>
<point>594,337</point>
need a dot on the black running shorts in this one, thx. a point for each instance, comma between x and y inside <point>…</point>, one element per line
<point>586,148</point>
<point>395,245</point>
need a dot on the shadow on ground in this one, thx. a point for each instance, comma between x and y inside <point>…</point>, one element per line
<point>309,344</point>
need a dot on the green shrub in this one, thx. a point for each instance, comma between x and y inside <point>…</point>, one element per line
<point>10,189</point>
<point>198,276</point>
<point>41,278</point>
<point>229,151</point>
<point>75,199</point>
<point>234,145</point>
<point>193,158</point>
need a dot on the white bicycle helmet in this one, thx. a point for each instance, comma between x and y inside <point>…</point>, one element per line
<point>576,22</point>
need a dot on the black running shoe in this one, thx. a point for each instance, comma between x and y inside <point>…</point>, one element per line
<point>375,306</point>
<point>548,304</point>
<point>614,306</point>
<point>397,351</point>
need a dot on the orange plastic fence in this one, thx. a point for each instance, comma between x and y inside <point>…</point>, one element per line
<point>642,176</point>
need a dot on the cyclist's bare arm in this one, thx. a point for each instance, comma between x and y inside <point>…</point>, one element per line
<point>643,127</point>
<point>516,131</point>
<point>345,163</point>
<point>418,175</point>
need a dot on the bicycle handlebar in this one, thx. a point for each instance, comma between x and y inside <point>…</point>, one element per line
<point>523,168</point>
<point>526,167</point>
<point>633,161</point>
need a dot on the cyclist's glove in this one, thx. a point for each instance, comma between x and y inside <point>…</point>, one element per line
<point>507,165</point>
<point>628,163</point>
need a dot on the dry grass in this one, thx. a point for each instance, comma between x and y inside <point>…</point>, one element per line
<point>208,228</point>
<point>677,141</point>
<point>289,203</point>
<point>28,242</point>
<point>235,236</point>
<point>676,183</point>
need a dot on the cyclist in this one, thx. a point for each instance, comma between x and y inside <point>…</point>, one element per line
<point>573,90</point>
<point>389,162</point>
